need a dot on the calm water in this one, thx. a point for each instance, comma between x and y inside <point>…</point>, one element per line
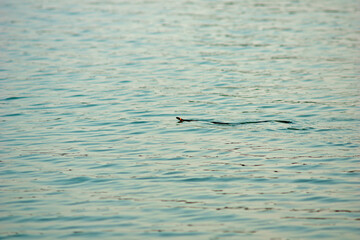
<point>91,149</point>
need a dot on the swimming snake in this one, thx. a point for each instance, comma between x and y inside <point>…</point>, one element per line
<point>236,123</point>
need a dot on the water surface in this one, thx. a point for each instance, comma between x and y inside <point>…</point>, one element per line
<point>90,147</point>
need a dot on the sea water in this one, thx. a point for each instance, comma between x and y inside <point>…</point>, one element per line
<point>91,149</point>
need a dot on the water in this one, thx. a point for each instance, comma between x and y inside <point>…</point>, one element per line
<point>90,147</point>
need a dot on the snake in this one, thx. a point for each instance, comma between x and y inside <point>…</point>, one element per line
<point>228,123</point>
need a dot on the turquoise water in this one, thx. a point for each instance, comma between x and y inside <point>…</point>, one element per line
<point>91,149</point>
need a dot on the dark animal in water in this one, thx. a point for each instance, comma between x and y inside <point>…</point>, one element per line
<point>238,123</point>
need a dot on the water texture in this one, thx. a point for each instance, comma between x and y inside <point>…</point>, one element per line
<point>91,149</point>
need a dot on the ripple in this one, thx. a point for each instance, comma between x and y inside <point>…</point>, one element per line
<point>91,147</point>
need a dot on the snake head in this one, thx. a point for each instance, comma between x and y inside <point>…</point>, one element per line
<point>180,119</point>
